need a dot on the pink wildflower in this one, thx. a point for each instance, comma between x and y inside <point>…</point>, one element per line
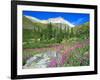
<point>78,45</point>
<point>63,59</point>
<point>72,48</point>
<point>53,63</point>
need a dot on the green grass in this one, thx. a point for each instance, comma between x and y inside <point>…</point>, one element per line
<point>39,44</point>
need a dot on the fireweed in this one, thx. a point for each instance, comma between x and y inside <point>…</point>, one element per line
<point>53,63</point>
<point>65,54</point>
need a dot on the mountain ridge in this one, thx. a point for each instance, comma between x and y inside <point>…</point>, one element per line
<point>51,20</point>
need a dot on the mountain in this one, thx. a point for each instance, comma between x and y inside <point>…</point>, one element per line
<point>60,20</point>
<point>31,23</point>
<point>52,20</point>
<point>33,19</point>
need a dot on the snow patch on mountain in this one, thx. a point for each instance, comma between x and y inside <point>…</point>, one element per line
<point>60,20</point>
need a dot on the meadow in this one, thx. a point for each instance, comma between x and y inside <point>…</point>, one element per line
<point>54,45</point>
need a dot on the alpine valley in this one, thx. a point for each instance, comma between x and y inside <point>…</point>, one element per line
<point>55,42</point>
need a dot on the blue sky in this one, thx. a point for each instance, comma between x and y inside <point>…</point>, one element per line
<point>74,18</point>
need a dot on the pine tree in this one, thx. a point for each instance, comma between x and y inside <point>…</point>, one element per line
<point>49,31</point>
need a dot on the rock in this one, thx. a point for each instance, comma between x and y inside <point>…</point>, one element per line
<point>42,60</point>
